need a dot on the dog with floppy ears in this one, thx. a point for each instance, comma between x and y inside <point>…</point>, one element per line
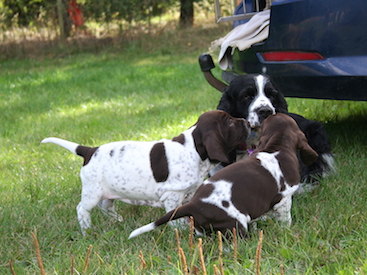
<point>245,190</point>
<point>254,97</point>
<point>161,173</point>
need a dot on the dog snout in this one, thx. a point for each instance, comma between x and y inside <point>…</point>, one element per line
<point>263,112</point>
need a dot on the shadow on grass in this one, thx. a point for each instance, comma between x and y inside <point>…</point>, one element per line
<point>349,133</point>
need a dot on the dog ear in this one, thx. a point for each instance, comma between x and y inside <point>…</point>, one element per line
<point>214,148</point>
<point>225,103</point>
<point>282,106</point>
<point>308,155</point>
<point>208,145</point>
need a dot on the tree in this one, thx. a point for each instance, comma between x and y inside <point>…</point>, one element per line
<point>24,13</point>
<point>186,13</point>
<point>44,12</point>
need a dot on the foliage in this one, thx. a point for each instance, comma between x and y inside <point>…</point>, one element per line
<point>129,10</point>
<point>28,12</point>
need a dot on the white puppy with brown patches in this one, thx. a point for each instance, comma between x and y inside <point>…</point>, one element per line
<point>159,173</point>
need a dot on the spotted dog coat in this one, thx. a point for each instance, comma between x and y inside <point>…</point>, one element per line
<point>158,173</point>
<point>255,97</point>
<point>247,189</point>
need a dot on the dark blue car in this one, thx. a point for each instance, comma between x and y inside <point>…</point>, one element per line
<point>315,49</point>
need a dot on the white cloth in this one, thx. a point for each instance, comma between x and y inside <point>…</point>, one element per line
<point>242,37</point>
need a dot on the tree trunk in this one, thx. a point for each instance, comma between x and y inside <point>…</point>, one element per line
<point>187,14</point>
<point>64,19</point>
<point>60,17</point>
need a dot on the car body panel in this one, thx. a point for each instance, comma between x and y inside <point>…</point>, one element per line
<point>336,29</point>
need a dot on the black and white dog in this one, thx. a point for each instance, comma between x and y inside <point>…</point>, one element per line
<point>254,97</point>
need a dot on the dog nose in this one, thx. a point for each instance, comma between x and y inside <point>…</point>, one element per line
<point>263,112</point>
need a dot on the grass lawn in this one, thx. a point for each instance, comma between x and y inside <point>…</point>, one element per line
<point>128,94</point>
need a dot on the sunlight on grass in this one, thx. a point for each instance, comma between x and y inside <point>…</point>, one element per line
<point>165,59</point>
<point>326,110</point>
<point>124,109</point>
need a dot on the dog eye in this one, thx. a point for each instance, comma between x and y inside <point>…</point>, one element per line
<point>250,94</point>
<point>249,97</point>
<point>271,92</point>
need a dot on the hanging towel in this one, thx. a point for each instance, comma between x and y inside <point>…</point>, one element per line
<point>242,37</point>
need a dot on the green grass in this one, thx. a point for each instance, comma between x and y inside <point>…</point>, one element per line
<point>119,95</point>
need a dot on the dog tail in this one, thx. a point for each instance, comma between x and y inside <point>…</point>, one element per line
<point>177,213</point>
<point>83,151</point>
<point>71,146</point>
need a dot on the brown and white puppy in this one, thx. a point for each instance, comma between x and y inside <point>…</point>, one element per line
<point>158,173</point>
<point>248,189</point>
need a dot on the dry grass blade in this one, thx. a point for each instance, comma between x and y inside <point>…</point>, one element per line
<point>178,242</point>
<point>258,252</point>
<point>192,227</point>
<point>200,243</point>
<point>11,267</point>
<point>143,263</point>
<point>38,253</point>
<point>183,260</point>
<point>72,265</point>
<point>216,271</point>
<point>281,269</point>
<point>181,252</point>
<point>87,258</point>
<point>235,245</point>
<point>220,240</point>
